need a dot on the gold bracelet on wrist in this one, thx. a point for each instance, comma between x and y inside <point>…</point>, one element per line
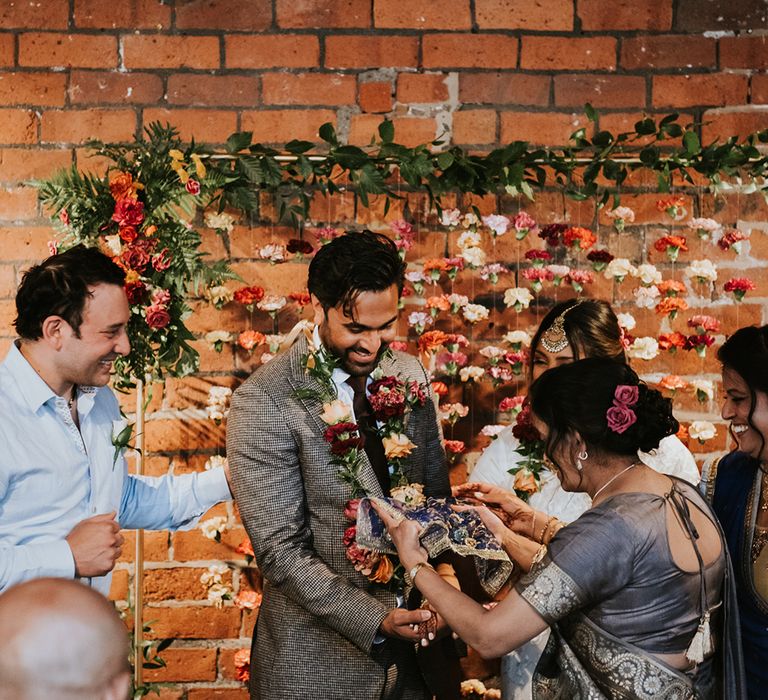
<point>416,568</point>
<point>552,523</point>
<point>533,526</point>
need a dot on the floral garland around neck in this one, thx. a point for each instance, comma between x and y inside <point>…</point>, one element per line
<point>391,399</point>
<point>527,472</point>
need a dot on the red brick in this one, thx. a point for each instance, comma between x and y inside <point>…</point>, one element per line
<point>552,53</point>
<point>193,546</point>
<point>193,622</point>
<point>469,51</point>
<point>504,88</point>
<point>52,14</point>
<point>308,89</point>
<point>667,51</point>
<point>184,664</point>
<point>194,89</point>
<point>282,125</point>
<point>19,126</point>
<point>205,125</point>
<point>744,52</point>
<point>723,123</point>
<point>272,51</point>
<point>554,15</point>
<point>232,15</point>
<point>110,87</point>
<point>79,125</point>
<point>693,16</point>
<point>155,546</point>
<point>422,87</point>
<point>158,51</point>
<point>178,583</point>
<point>323,13</point>
<point>549,129</point>
<point>7,45</point>
<point>759,89</point>
<point>652,15</point>
<point>167,435</point>
<point>711,89</point>
<point>375,97</point>
<point>8,281</point>
<point>24,243</point>
<point>409,131</point>
<point>599,90</point>
<point>137,14</point>
<point>67,50</point>
<point>422,14</point>
<point>39,89</point>
<point>218,694</point>
<point>7,309</point>
<point>17,203</point>
<point>474,126</point>
<point>19,164</point>
<point>380,51</point>
<point>119,588</point>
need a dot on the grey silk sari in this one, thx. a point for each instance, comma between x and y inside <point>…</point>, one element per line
<point>615,599</point>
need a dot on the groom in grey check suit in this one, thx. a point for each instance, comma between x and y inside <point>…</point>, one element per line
<point>324,630</point>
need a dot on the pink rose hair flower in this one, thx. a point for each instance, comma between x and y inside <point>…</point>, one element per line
<point>620,415</point>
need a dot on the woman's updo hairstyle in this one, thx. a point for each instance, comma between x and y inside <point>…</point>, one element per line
<point>577,396</point>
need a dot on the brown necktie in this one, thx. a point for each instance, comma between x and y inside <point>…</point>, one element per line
<point>367,425</point>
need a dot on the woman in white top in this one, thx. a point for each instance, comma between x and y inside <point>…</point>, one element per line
<point>572,330</point>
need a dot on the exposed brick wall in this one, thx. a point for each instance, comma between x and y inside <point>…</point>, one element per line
<point>478,72</point>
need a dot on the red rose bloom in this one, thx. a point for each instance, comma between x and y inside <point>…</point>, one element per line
<point>136,258</point>
<point>128,212</point>
<point>192,186</point>
<point>135,292</point>
<point>524,430</point>
<point>349,535</point>
<point>157,316</point>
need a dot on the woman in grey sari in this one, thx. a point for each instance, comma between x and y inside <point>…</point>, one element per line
<point>637,590</point>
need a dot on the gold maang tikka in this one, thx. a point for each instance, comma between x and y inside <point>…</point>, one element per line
<point>554,339</point>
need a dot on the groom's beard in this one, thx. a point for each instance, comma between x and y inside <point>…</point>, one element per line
<point>346,362</point>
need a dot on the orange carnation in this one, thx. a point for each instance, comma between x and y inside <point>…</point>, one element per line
<point>669,306</point>
<point>122,186</point>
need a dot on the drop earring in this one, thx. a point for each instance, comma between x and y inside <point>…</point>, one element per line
<point>582,456</point>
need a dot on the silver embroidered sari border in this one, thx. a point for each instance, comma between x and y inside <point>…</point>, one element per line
<point>550,591</point>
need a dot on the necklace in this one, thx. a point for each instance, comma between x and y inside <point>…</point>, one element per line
<point>613,478</point>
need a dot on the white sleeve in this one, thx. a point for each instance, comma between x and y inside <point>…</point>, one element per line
<point>493,465</point>
<point>673,458</point>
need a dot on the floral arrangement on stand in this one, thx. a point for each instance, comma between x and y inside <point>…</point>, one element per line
<point>141,212</point>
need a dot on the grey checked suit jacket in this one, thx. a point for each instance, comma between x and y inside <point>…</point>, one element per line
<point>319,616</point>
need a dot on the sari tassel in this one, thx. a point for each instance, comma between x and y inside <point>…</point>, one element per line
<point>701,644</point>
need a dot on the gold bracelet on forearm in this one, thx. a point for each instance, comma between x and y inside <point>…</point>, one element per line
<point>554,525</point>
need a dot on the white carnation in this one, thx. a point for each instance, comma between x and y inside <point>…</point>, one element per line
<point>645,348</point>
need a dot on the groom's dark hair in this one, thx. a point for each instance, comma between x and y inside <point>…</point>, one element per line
<point>358,261</point>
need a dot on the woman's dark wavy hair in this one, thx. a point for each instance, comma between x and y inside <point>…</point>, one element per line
<point>746,353</point>
<point>58,286</point>
<point>576,397</point>
<point>591,327</point>
<point>358,261</point>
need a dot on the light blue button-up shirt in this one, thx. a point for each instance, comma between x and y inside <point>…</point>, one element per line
<point>53,475</point>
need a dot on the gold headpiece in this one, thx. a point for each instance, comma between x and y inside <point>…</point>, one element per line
<point>554,339</point>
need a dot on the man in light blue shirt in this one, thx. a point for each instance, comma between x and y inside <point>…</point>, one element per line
<point>63,496</point>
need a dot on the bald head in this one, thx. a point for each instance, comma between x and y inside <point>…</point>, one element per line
<point>61,639</point>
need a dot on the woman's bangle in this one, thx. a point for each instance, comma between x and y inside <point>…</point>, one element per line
<point>418,567</point>
<point>533,526</point>
<point>552,523</point>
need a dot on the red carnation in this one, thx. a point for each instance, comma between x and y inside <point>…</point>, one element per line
<point>296,245</point>
<point>342,437</point>
<point>192,186</point>
<point>135,292</point>
<point>248,296</point>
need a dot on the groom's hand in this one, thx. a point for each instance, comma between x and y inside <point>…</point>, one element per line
<point>404,624</point>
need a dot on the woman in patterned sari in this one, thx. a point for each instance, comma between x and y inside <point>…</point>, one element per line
<point>737,487</point>
<point>636,590</point>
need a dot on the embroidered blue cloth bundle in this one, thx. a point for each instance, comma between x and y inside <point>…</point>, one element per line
<point>443,529</point>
